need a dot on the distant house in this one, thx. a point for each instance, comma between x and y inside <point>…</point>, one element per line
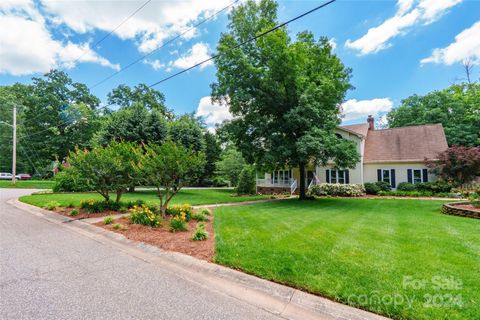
<point>392,155</point>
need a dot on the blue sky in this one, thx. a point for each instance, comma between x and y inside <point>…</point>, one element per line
<point>395,48</point>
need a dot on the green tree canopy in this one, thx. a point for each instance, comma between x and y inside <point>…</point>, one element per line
<point>230,165</point>
<point>457,108</point>
<point>187,131</point>
<point>55,114</point>
<point>106,169</point>
<point>134,123</point>
<point>283,94</point>
<point>168,167</point>
<point>124,96</point>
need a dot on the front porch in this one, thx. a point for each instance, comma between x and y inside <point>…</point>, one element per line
<point>285,181</point>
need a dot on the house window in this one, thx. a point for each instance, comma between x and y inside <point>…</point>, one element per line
<point>281,176</point>
<point>337,176</point>
<point>417,176</point>
<point>386,176</point>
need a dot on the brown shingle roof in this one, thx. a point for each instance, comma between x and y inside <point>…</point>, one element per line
<point>413,143</point>
<point>361,128</point>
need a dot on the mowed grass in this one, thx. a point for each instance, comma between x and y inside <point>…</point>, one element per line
<point>27,184</point>
<point>400,258</point>
<point>190,196</point>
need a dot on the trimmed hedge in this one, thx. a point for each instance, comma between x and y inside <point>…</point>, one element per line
<point>337,190</point>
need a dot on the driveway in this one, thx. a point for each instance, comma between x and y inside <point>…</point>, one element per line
<point>51,272</point>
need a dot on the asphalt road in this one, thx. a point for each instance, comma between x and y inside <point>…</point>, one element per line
<point>51,272</point>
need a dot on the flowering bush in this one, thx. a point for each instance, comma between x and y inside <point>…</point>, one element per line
<point>178,223</point>
<point>143,215</point>
<point>177,210</point>
<point>337,190</point>
<point>52,205</point>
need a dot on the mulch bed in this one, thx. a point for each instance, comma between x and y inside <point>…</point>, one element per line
<point>161,237</point>
<point>467,206</point>
<point>82,214</point>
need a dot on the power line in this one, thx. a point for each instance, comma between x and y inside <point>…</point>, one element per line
<point>115,29</point>
<point>243,43</point>
<point>163,45</point>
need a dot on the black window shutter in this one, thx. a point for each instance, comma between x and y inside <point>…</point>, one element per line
<point>327,176</point>
<point>347,177</point>
<point>392,178</point>
<point>425,175</point>
<point>379,174</point>
<point>409,175</point>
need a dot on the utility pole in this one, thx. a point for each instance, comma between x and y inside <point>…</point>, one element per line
<point>14,147</point>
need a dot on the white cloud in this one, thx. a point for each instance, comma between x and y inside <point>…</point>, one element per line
<point>27,46</point>
<point>213,113</point>
<point>354,109</point>
<point>409,13</point>
<point>333,43</point>
<point>149,27</point>
<point>198,53</point>
<point>465,46</point>
<point>155,64</point>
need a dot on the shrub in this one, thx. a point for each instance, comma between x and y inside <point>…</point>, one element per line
<point>198,216</point>
<point>138,203</point>
<point>177,210</point>
<point>123,209</point>
<point>71,205</point>
<point>417,194</point>
<point>200,233</point>
<point>474,199</point>
<point>205,211</point>
<point>74,213</point>
<point>70,181</point>
<point>93,206</point>
<point>143,215</point>
<point>375,187</point>
<point>406,186</point>
<point>52,205</point>
<point>118,226</point>
<point>246,181</point>
<point>177,223</point>
<point>108,220</point>
<point>337,190</point>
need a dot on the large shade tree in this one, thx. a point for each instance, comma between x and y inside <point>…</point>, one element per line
<point>284,94</point>
<point>55,114</point>
<point>457,108</point>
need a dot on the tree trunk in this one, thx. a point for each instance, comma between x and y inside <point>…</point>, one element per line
<point>119,195</point>
<point>301,183</point>
<point>131,189</point>
<point>163,210</point>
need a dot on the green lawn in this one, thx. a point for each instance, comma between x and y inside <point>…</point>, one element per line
<point>28,184</point>
<point>387,256</point>
<point>190,196</point>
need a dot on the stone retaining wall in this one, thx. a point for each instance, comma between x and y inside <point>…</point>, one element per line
<point>452,209</point>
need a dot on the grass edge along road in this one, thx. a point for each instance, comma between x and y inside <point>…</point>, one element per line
<point>400,258</point>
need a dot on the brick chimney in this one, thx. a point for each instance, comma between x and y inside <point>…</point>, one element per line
<point>371,122</point>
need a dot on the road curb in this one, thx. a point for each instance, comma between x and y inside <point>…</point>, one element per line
<point>278,299</point>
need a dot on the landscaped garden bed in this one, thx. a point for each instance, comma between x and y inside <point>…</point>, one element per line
<point>463,209</point>
<point>162,237</point>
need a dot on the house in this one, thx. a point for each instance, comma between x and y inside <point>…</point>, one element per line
<point>392,155</point>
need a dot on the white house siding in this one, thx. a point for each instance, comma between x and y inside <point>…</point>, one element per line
<point>370,170</point>
<point>356,174</point>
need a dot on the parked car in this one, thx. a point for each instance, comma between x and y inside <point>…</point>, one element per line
<point>5,176</point>
<point>23,176</point>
